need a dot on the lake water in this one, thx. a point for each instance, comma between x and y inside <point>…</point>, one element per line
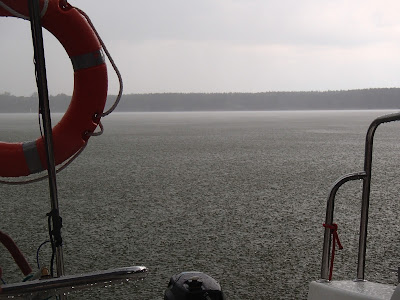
<point>240,196</point>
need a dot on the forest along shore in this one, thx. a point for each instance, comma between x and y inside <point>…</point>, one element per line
<point>379,98</point>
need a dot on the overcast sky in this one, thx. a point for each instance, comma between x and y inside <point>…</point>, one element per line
<point>224,46</point>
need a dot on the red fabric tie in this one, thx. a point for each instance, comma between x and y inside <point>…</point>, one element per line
<point>333,229</point>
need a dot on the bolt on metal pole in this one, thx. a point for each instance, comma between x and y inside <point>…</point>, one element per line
<point>41,79</point>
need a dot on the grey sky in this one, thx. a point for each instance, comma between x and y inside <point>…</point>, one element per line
<point>224,46</point>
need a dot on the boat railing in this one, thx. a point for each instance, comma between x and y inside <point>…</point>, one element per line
<point>365,176</point>
<point>67,284</point>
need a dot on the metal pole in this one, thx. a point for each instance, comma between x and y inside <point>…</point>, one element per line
<point>362,245</point>
<point>41,80</point>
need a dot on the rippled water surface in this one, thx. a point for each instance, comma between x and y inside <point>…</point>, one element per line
<point>238,195</point>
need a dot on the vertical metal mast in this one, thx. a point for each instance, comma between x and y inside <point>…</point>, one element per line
<point>41,80</point>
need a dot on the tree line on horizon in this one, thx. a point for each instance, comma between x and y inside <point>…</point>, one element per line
<point>378,98</point>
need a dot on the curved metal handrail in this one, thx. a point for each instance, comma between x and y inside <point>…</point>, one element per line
<point>329,219</point>
<point>369,141</point>
<point>366,177</point>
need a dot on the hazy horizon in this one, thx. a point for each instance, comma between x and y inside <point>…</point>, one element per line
<point>222,92</point>
<point>314,100</point>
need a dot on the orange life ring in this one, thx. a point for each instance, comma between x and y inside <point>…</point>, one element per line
<point>88,99</point>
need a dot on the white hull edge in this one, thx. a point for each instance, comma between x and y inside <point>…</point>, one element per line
<point>351,290</point>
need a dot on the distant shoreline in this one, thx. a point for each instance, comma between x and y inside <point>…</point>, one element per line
<point>363,99</point>
<point>224,111</point>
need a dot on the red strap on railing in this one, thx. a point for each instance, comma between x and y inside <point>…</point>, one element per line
<point>335,235</point>
<point>16,253</point>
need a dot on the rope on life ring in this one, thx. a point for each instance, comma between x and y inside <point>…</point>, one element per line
<point>83,115</point>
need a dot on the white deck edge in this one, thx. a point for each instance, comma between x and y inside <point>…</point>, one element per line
<point>350,290</point>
